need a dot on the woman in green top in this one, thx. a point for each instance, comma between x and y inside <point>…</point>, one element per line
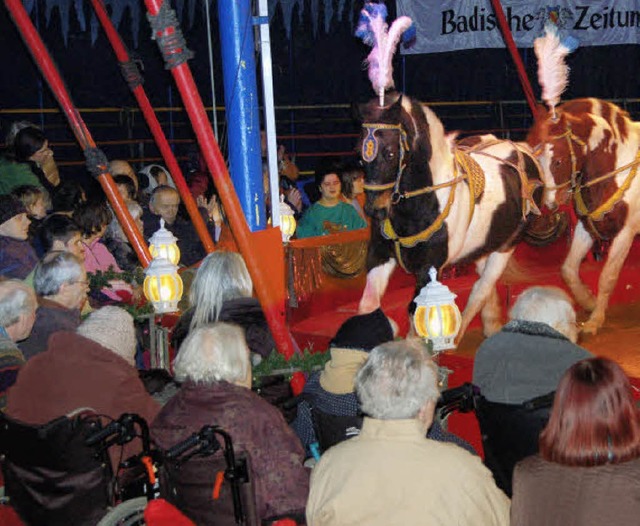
<point>330,214</point>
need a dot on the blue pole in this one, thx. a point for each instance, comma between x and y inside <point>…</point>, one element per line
<point>241,102</point>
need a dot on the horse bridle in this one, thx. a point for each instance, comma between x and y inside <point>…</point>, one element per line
<point>571,138</point>
<point>369,152</point>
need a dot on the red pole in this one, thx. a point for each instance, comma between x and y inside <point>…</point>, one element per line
<point>215,162</point>
<point>53,78</point>
<point>511,45</point>
<point>156,130</point>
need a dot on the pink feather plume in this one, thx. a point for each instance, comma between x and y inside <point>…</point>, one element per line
<point>553,72</point>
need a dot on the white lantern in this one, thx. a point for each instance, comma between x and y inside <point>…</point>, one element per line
<point>163,244</point>
<point>437,317</point>
<point>162,285</point>
<point>287,220</point>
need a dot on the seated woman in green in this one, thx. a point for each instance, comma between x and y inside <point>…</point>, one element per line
<point>330,214</point>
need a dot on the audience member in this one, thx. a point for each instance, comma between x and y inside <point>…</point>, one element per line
<point>527,358</point>
<point>60,232</point>
<point>29,161</point>
<point>121,167</point>
<point>93,218</point>
<point>588,469</point>
<point>152,176</point>
<point>222,291</point>
<point>17,256</point>
<point>329,400</point>
<point>164,204</point>
<point>214,368</point>
<point>18,306</point>
<point>92,367</point>
<point>330,214</point>
<point>35,200</point>
<point>391,473</point>
<point>67,196</point>
<point>352,179</point>
<point>117,243</point>
<point>61,283</point>
<point>126,188</point>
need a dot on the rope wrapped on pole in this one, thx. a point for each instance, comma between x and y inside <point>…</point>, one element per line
<point>131,72</point>
<point>218,169</point>
<point>168,34</point>
<point>49,71</point>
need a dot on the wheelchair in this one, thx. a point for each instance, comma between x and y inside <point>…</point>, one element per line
<point>51,477</point>
<point>509,432</point>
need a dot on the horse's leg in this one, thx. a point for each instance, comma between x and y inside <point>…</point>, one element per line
<point>491,313</point>
<point>580,245</point>
<point>492,269</point>
<point>608,278</point>
<point>377,281</point>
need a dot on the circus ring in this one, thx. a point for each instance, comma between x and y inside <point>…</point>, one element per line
<point>329,301</point>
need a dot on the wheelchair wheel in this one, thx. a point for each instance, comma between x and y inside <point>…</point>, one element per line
<point>128,513</point>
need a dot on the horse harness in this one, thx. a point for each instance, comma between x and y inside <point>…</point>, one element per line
<point>464,164</point>
<point>576,183</point>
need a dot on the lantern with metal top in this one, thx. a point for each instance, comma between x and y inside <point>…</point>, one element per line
<point>287,220</point>
<point>163,244</point>
<point>437,317</point>
<point>162,285</point>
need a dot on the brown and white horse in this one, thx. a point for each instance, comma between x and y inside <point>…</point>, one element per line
<point>590,152</point>
<point>437,203</point>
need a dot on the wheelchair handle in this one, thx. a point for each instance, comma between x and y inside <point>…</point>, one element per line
<point>103,434</point>
<point>181,447</point>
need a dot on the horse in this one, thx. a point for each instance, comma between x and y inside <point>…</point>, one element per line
<point>589,150</point>
<point>435,202</point>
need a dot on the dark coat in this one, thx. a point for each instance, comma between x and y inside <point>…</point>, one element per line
<point>246,312</point>
<point>256,427</point>
<point>50,317</point>
<point>17,258</point>
<point>75,372</point>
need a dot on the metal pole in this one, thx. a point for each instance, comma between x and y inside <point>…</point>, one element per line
<point>241,102</point>
<point>218,169</point>
<point>134,79</point>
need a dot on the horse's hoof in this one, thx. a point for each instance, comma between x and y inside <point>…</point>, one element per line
<point>491,329</point>
<point>590,328</point>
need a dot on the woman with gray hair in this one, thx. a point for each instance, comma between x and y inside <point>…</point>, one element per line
<point>527,358</point>
<point>214,368</point>
<point>391,473</point>
<point>222,291</point>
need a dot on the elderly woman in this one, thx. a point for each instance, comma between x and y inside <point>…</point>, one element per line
<point>116,241</point>
<point>221,291</point>
<point>213,364</point>
<point>391,473</point>
<point>588,470</point>
<point>527,358</point>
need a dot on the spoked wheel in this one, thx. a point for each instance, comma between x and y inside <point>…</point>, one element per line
<point>128,513</point>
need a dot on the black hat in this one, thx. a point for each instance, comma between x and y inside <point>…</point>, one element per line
<point>364,332</point>
<point>10,206</point>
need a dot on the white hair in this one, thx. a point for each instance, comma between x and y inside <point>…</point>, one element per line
<point>550,305</point>
<point>222,276</point>
<point>213,353</point>
<point>114,230</point>
<point>16,299</point>
<point>54,270</point>
<point>397,380</point>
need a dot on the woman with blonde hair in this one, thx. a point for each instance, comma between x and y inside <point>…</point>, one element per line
<point>222,291</point>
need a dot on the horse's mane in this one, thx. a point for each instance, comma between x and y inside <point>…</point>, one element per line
<point>441,156</point>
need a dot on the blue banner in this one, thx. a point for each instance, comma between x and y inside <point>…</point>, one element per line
<point>452,25</point>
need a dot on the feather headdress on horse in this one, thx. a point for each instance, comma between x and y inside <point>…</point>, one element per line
<point>374,31</point>
<point>553,72</point>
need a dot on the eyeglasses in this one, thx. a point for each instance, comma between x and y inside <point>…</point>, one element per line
<point>84,282</point>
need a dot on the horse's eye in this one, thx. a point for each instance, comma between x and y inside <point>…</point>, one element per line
<point>557,162</point>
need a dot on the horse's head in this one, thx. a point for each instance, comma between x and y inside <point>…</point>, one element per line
<point>382,147</point>
<point>558,143</point>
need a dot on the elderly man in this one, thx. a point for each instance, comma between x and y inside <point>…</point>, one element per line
<point>391,473</point>
<point>164,204</point>
<point>61,283</point>
<point>17,313</point>
<point>527,358</point>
